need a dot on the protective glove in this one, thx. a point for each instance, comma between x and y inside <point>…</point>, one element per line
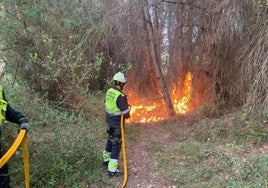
<point>25,126</point>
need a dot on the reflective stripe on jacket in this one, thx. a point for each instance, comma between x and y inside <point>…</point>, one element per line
<point>115,105</point>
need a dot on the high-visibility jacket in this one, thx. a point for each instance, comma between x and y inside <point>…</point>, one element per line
<point>8,113</point>
<point>3,107</point>
<point>110,101</point>
<point>115,105</point>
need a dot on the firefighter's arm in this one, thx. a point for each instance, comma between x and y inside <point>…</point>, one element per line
<point>123,106</point>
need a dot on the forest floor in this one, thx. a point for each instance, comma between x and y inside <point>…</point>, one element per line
<point>143,168</point>
<point>172,153</point>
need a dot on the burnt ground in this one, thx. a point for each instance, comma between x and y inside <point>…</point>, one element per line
<point>143,171</point>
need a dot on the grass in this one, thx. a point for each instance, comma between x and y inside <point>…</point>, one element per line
<point>62,153</point>
<point>65,148</point>
<point>223,152</point>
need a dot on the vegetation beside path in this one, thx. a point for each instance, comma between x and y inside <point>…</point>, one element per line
<point>196,151</point>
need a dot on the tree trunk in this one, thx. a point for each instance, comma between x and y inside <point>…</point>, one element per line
<point>155,58</point>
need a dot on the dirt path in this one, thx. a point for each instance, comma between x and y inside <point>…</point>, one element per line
<point>142,169</point>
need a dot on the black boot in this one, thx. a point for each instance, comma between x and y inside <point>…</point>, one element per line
<point>117,173</point>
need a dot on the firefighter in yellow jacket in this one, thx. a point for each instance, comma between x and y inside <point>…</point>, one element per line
<point>115,104</point>
<point>9,114</point>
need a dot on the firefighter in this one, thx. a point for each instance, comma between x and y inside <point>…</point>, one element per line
<point>115,104</point>
<point>13,116</point>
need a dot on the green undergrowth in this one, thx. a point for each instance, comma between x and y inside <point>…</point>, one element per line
<point>64,146</point>
<point>230,151</point>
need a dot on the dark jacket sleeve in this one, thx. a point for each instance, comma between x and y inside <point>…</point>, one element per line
<point>14,116</point>
<point>123,105</point>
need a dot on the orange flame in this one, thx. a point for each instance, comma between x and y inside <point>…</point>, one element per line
<point>144,110</point>
<point>181,104</point>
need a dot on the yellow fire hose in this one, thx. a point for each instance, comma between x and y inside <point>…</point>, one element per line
<point>123,151</point>
<point>21,139</point>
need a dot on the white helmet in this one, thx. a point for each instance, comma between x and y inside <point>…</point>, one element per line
<point>120,77</point>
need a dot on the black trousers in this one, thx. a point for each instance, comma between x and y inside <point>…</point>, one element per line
<point>113,144</point>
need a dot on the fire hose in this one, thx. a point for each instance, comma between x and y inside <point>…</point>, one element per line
<point>21,139</point>
<point>123,151</point>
